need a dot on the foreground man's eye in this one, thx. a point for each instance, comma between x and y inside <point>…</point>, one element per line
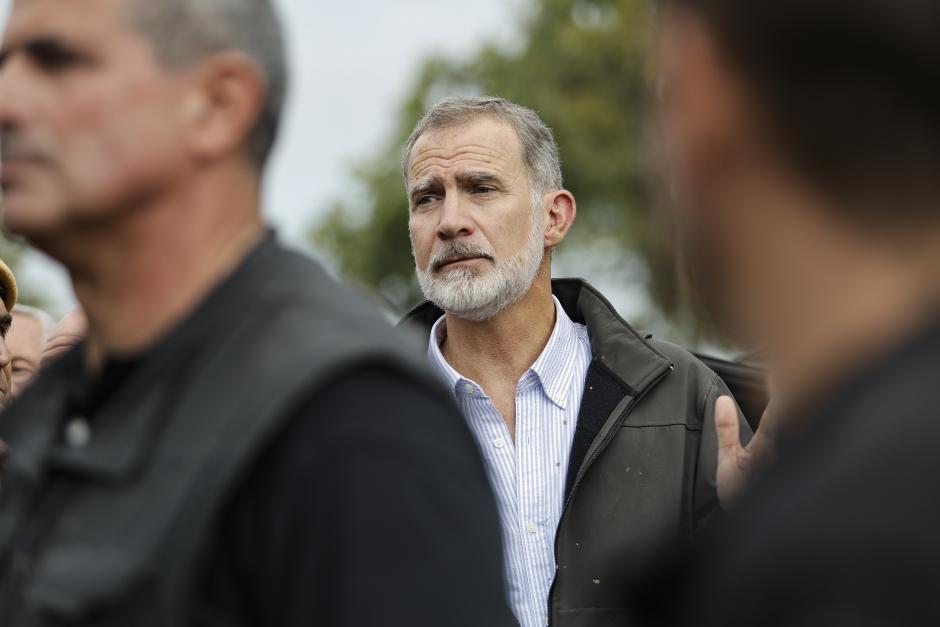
<point>53,56</point>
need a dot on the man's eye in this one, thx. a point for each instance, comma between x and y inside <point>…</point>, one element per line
<point>425,200</point>
<point>482,189</point>
<point>53,57</point>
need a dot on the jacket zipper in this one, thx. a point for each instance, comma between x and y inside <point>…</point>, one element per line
<point>587,465</point>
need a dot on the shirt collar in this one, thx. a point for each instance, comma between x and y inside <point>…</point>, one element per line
<point>553,368</point>
<point>451,376</point>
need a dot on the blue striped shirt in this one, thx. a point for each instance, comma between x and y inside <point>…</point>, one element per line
<point>528,475</point>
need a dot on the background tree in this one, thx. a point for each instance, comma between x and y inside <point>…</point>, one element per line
<point>582,65</point>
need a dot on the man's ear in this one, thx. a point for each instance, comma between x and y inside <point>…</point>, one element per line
<point>562,210</point>
<point>226,94</point>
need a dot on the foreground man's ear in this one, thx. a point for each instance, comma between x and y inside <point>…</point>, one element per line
<point>226,97</point>
<point>562,210</point>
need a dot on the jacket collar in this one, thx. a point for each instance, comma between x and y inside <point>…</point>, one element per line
<point>616,344</point>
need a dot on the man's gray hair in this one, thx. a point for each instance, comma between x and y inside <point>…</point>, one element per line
<point>45,320</point>
<point>539,149</point>
<point>184,32</point>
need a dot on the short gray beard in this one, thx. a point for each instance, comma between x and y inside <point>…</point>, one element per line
<point>479,295</point>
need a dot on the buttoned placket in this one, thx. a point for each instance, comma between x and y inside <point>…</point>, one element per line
<point>506,450</point>
<point>534,453</point>
<point>529,501</point>
<point>528,473</point>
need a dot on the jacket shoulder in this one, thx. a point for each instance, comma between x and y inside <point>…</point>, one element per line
<point>690,379</point>
<point>683,360</point>
<point>305,316</point>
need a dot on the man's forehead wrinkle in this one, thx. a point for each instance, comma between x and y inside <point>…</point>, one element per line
<point>483,153</point>
<point>492,132</point>
<point>467,157</point>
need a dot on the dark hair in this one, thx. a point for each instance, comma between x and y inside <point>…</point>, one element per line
<point>849,89</point>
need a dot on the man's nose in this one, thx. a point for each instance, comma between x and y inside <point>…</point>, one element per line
<point>456,219</point>
<point>14,92</point>
<point>5,356</point>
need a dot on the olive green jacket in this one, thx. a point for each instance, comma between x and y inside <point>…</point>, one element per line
<point>642,467</point>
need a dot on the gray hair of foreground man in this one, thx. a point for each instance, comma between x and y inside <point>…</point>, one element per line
<point>539,150</point>
<point>184,32</point>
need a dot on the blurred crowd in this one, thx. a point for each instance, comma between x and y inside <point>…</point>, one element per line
<point>30,338</point>
<point>224,434</point>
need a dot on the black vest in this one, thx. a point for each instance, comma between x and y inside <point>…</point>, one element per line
<point>105,526</point>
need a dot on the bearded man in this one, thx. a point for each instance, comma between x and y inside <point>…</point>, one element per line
<point>600,442</point>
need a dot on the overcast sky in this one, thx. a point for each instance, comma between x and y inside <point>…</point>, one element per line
<point>352,62</point>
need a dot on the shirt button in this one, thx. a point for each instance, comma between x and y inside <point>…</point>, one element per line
<point>77,432</point>
<point>468,388</point>
<point>499,443</point>
<point>531,528</point>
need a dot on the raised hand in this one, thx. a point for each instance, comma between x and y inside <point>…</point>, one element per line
<point>737,463</point>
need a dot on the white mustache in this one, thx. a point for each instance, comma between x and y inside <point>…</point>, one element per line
<point>458,250</point>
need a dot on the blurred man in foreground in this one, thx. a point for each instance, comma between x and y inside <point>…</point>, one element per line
<point>600,443</point>
<point>7,301</point>
<point>26,340</point>
<point>251,444</point>
<point>804,140</point>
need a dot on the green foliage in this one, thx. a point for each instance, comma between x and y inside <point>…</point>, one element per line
<point>582,65</point>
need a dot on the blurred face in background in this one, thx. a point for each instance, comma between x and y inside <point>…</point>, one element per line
<point>477,232</point>
<point>70,330</point>
<point>25,341</point>
<point>6,369</point>
<point>88,115</point>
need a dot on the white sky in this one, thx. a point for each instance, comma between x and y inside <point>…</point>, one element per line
<point>352,62</point>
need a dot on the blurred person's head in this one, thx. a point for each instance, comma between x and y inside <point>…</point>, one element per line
<point>68,332</point>
<point>113,106</point>
<point>25,340</point>
<point>8,294</point>
<point>484,186</point>
<point>803,147</point>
